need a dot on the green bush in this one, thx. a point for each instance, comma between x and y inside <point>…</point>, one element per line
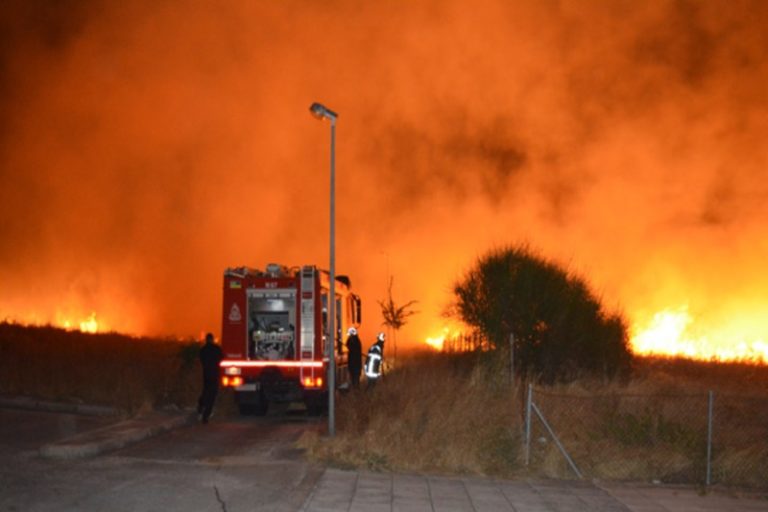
<point>560,328</point>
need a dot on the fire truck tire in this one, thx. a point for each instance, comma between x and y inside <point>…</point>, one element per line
<point>254,408</point>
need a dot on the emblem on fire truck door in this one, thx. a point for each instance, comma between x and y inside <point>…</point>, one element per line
<point>234,314</point>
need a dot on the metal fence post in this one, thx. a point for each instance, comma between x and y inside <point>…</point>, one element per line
<point>709,438</point>
<point>557,441</point>
<point>528,425</point>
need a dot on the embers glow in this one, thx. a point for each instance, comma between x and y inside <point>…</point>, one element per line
<point>673,332</point>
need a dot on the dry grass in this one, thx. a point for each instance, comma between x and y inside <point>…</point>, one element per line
<point>444,413</point>
<point>685,375</point>
<point>426,416</point>
<point>107,369</point>
<point>459,414</point>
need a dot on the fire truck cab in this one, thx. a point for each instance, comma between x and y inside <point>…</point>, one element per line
<point>274,334</point>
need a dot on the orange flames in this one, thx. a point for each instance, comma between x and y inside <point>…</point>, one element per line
<point>438,341</point>
<point>88,324</point>
<point>624,137</point>
<point>675,332</point>
<point>70,322</point>
<point>451,337</point>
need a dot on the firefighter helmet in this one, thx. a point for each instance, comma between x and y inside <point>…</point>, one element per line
<point>381,337</point>
<point>352,331</point>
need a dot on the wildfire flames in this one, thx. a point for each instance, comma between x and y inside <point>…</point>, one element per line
<point>146,146</point>
<point>438,341</point>
<point>674,333</point>
<point>88,323</point>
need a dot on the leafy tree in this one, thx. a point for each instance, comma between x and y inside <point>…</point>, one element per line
<point>395,316</point>
<point>560,328</point>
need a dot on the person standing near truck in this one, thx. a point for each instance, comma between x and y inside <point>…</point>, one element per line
<point>374,360</point>
<point>210,357</point>
<point>354,357</point>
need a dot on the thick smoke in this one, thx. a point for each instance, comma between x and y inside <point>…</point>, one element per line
<point>145,147</point>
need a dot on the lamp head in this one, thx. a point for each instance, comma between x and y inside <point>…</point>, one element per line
<point>321,111</point>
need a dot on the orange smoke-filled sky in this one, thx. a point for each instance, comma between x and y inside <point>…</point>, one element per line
<point>145,146</point>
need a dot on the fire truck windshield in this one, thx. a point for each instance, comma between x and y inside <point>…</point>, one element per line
<point>271,328</point>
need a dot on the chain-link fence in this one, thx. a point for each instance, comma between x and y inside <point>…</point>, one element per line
<point>702,439</point>
<point>740,440</point>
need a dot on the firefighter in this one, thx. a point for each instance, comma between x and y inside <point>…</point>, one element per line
<point>210,357</point>
<point>374,360</point>
<point>355,357</point>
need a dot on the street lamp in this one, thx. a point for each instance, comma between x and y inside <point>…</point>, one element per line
<point>323,112</point>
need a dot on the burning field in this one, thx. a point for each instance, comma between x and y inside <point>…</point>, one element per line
<point>145,147</point>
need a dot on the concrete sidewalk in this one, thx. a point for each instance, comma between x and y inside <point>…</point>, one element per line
<point>372,492</point>
<point>111,437</point>
<point>117,435</point>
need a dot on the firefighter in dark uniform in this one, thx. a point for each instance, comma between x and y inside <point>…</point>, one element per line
<point>210,357</point>
<point>354,357</point>
<point>374,360</point>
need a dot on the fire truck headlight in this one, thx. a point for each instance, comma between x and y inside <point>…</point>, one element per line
<point>232,370</point>
<point>237,381</point>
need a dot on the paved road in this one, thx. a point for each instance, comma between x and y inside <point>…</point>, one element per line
<point>249,464</point>
<point>235,465</point>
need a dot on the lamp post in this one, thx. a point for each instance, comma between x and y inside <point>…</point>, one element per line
<point>387,290</point>
<point>323,112</point>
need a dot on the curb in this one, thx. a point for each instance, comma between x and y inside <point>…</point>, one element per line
<point>113,437</point>
<point>34,404</point>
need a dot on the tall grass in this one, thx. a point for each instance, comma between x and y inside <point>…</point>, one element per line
<point>445,413</point>
<point>437,413</point>
<point>110,369</point>
<point>459,413</point>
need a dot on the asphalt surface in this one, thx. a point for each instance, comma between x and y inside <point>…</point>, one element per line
<point>286,481</point>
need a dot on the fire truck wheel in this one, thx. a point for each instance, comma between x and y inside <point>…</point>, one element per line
<point>254,408</point>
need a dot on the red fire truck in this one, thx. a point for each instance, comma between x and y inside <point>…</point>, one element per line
<point>274,333</point>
